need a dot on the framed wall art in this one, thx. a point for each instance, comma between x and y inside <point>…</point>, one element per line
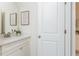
<point>25,18</point>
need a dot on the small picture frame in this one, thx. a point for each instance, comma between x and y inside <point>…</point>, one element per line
<point>13,19</point>
<point>25,18</point>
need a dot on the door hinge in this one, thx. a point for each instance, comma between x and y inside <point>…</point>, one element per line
<point>65,31</point>
<point>65,3</point>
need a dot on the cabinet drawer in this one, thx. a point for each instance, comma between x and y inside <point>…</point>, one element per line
<point>21,51</point>
<point>17,47</point>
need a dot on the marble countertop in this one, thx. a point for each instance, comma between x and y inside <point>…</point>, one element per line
<point>12,39</point>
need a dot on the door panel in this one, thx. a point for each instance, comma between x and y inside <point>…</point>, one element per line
<point>51,29</point>
<point>48,47</point>
<point>48,12</point>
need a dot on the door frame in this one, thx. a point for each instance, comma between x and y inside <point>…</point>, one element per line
<point>70,23</point>
<point>73,28</point>
<point>67,28</point>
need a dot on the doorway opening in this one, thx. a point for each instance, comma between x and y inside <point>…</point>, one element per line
<point>77,29</point>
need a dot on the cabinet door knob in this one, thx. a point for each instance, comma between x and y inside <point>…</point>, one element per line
<point>39,36</point>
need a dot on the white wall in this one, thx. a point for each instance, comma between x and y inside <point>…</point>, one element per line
<point>32,27</point>
<point>8,8</point>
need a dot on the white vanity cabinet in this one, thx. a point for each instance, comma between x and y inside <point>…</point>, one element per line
<point>16,48</point>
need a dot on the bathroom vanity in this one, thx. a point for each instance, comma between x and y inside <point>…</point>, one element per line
<point>15,46</point>
<point>10,24</point>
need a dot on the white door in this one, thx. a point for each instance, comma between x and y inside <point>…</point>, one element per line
<point>51,29</point>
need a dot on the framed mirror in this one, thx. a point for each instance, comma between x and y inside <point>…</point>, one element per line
<point>13,19</point>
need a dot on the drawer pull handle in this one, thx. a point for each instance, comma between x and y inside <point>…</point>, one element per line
<point>21,48</point>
